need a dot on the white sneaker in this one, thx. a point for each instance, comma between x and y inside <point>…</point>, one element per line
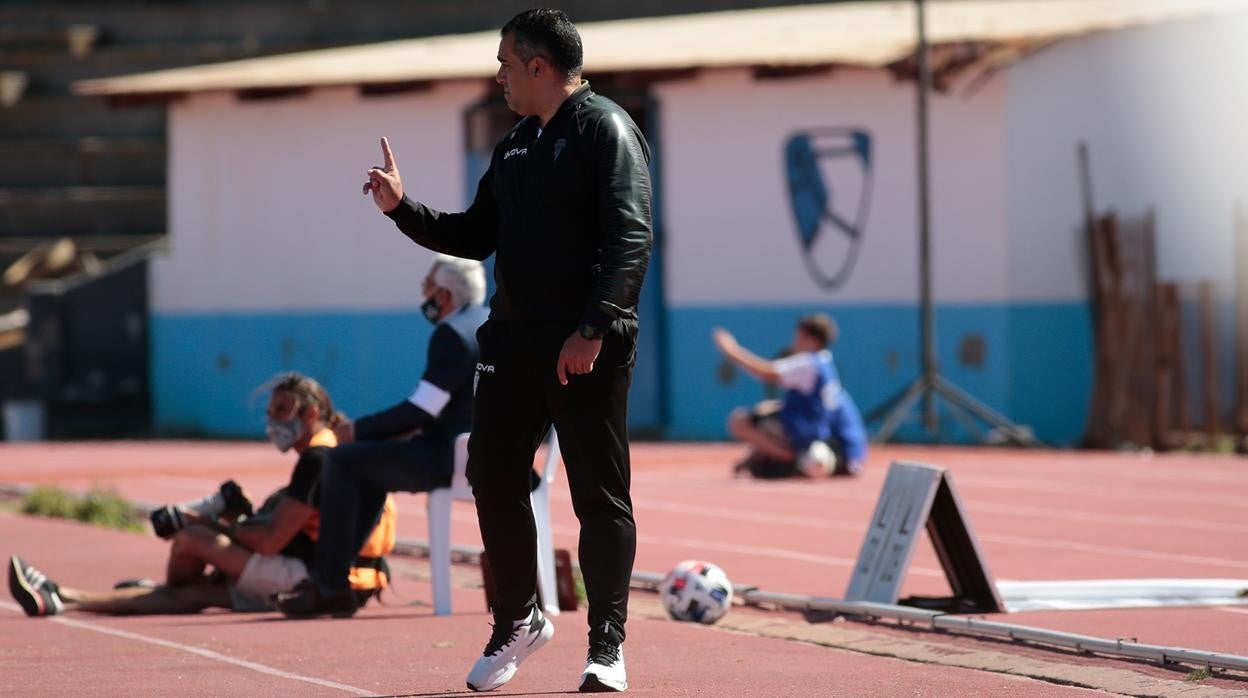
<point>605,671</point>
<point>818,461</point>
<point>508,646</point>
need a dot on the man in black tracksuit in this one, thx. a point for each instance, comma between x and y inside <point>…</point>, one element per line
<point>565,206</point>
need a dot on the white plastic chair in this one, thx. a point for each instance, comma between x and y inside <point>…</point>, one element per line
<point>540,500</point>
<point>439,508</point>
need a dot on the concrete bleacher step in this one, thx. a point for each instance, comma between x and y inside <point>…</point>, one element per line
<point>52,117</point>
<point>82,162</point>
<point>14,34</point>
<point>53,71</point>
<point>265,20</point>
<point>72,211</point>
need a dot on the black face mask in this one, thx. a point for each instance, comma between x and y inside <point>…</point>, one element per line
<point>430,309</point>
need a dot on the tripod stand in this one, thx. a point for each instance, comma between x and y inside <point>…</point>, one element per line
<point>930,385</point>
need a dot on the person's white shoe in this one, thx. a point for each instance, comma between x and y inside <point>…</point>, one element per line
<point>508,646</point>
<point>604,673</point>
<point>818,461</point>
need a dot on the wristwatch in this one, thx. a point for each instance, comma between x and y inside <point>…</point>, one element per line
<point>588,331</point>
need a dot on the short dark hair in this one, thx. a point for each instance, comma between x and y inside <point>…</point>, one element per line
<point>819,327</point>
<point>550,34</point>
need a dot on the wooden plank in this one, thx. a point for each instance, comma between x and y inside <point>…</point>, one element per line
<point>1131,390</point>
<point>1183,406</point>
<point>1240,232</point>
<point>1141,384</point>
<point>1166,341</point>
<point>1094,431</point>
<point>1100,429</point>
<point>1208,363</point>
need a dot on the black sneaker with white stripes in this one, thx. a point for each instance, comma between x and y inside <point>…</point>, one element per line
<point>509,644</point>
<point>37,595</point>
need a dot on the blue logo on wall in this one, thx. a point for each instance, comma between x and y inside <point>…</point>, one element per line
<point>829,172</point>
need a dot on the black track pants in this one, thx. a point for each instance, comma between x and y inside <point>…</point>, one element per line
<point>518,396</point>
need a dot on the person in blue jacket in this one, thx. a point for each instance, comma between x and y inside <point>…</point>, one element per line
<point>815,429</point>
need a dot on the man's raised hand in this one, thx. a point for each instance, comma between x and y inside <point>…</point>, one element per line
<point>384,181</point>
<point>724,340</point>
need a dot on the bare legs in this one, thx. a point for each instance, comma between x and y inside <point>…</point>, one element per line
<point>196,547</point>
<point>186,588</point>
<point>191,598</point>
<point>766,443</point>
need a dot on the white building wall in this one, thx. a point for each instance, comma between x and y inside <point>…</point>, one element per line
<point>1165,115</point>
<point>266,210</point>
<point>731,235</point>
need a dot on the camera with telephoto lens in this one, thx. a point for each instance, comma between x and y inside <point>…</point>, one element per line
<point>229,499</point>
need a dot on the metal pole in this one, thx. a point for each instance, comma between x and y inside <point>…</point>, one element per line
<point>927,333</point>
<point>929,385</point>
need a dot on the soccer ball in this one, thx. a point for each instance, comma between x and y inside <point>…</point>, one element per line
<point>696,591</point>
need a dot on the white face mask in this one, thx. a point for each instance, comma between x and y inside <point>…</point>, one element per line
<point>283,433</point>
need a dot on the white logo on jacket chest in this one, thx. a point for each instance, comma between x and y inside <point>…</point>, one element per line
<point>515,151</point>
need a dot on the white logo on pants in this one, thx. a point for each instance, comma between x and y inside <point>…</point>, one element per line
<point>476,377</point>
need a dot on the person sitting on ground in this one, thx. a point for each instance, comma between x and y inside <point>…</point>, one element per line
<point>407,447</point>
<point>251,558</point>
<point>816,429</point>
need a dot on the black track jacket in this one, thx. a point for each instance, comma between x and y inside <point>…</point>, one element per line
<point>567,211</point>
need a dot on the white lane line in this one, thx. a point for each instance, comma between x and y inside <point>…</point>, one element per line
<point>1068,488</point>
<point>1112,550</point>
<point>1072,487</point>
<point>858,528</point>
<point>1093,517</point>
<point>1243,611</point>
<point>754,550</point>
<point>1170,477</point>
<point>198,651</point>
<point>1029,511</point>
<point>806,490</point>
<point>750,516</point>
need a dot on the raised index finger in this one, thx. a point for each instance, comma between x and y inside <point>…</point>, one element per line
<point>385,151</point>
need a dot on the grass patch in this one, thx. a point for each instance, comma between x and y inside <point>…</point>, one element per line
<point>99,507</point>
<point>1197,674</point>
<point>578,583</point>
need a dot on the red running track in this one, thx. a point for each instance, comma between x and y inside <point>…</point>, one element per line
<point>1038,515</point>
<point>396,650</point>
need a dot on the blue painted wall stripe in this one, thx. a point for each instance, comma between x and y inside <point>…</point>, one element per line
<point>205,367</point>
<point>1036,362</point>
